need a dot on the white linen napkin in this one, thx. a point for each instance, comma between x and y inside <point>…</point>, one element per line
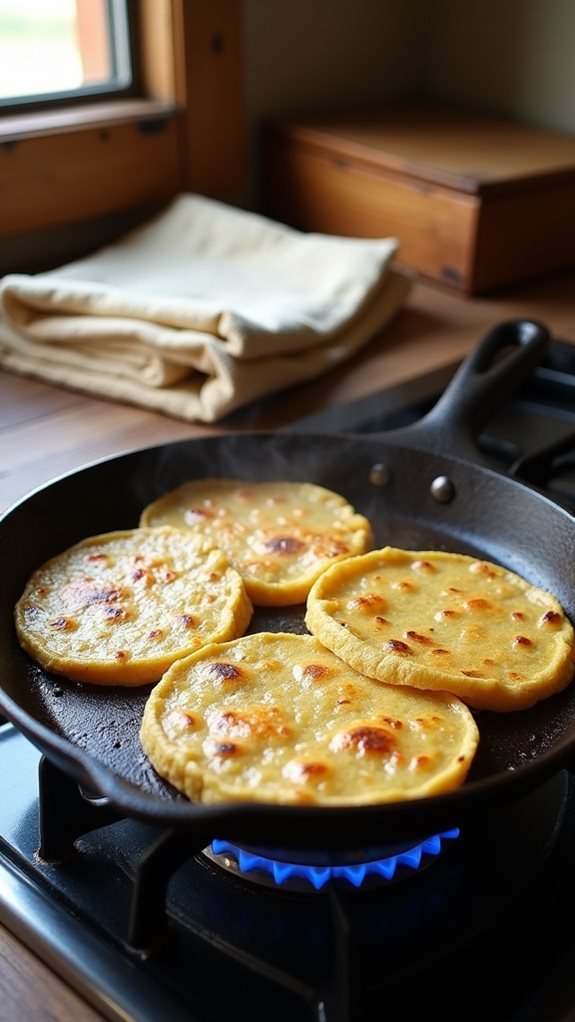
<point>201,310</point>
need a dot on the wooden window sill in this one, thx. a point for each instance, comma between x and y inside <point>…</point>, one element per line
<point>115,158</point>
<point>15,127</point>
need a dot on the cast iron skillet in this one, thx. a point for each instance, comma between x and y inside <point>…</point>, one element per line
<point>91,733</point>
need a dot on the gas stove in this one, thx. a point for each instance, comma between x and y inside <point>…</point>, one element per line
<point>464,924</point>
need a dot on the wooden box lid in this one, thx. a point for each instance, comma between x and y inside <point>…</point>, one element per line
<point>470,152</point>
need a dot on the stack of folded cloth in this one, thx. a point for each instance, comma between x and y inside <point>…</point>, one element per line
<point>200,311</point>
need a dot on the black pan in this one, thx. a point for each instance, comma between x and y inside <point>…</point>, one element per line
<point>420,489</point>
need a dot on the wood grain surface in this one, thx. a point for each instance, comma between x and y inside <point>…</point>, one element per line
<point>28,990</point>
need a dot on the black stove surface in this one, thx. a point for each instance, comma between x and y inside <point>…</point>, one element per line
<point>484,931</point>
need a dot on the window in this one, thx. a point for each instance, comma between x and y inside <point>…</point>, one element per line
<point>63,50</point>
<point>71,166</point>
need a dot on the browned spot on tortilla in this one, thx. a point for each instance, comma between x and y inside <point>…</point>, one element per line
<point>224,750</point>
<point>115,613</point>
<point>397,646</point>
<point>477,603</point>
<point>255,722</point>
<point>366,740</point>
<point>371,601</point>
<point>31,612</point>
<point>550,617</point>
<point>306,771</point>
<point>225,672</point>
<point>62,624</point>
<point>166,575</point>
<point>480,568</point>
<point>522,642</point>
<point>316,671</point>
<point>84,592</point>
<point>187,620</point>
<point>423,640</point>
<point>284,545</point>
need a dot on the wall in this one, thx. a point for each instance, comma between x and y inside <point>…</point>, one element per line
<point>306,54</point>
<point>513,57</point>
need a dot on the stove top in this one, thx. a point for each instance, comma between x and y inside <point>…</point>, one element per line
<point>474,924</point>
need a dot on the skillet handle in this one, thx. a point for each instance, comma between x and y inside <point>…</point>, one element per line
<point>488,376</point>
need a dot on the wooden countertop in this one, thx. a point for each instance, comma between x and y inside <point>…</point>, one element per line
<point>47,431</point>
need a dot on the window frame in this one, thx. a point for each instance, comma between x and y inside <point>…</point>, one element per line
<point>74,163</point>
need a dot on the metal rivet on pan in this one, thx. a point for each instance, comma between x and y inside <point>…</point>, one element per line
<point>442,489</point>
<point>379,475</point>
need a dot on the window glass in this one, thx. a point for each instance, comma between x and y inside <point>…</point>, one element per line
<point>58,49</point>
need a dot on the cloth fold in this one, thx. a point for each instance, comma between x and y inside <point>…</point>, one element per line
<point>201,310</point>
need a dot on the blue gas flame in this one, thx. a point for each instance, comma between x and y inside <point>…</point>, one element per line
<point>318,876</point>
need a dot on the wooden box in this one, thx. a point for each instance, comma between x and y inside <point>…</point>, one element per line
<point>476,202</point>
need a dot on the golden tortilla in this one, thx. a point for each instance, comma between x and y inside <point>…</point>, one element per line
<point>119,608</point>
<point>444,621</point>
<point>279,535</point>
<point>277,718</point>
